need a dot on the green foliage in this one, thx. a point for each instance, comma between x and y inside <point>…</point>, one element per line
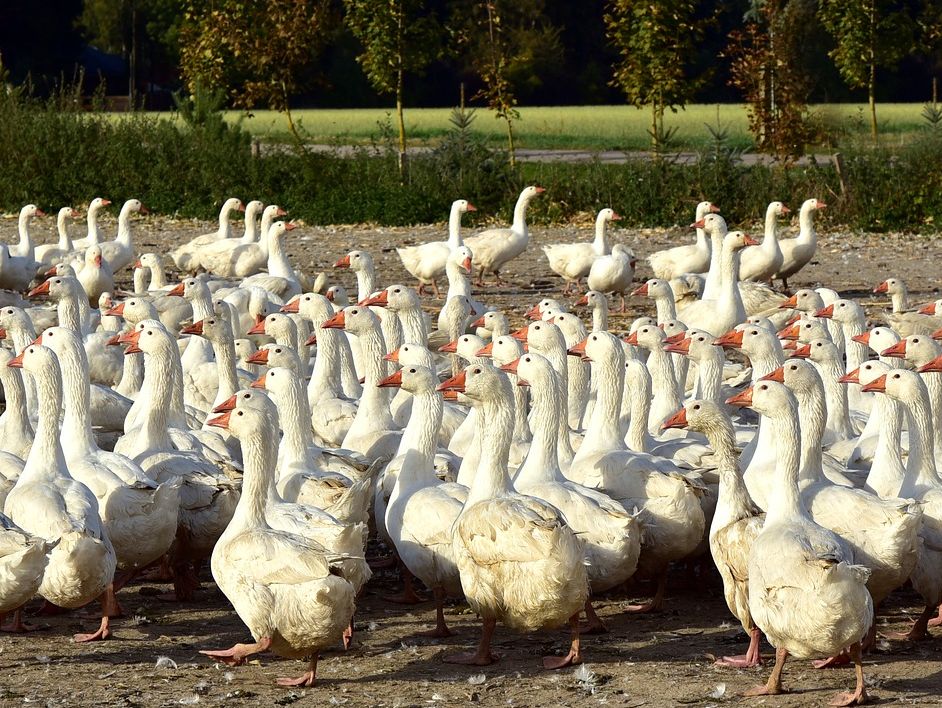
<point>868,34</point>
<point>258,51</point>
<point>656,43</point>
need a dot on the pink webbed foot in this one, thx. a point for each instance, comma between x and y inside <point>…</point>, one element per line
<point>236,655</point>
<point>104,632</point>
<point>306,680</point>
<point>559,662</point>
<point>842,659</point>
<point>857,698</point>
<point>738,662</point>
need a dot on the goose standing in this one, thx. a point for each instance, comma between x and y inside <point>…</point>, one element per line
<point>693,258</point>
<point>572,261</point>
<point>49,253</point>
<point>426,262</point>
<point>120,253</point>
<point>494,248</point>
<point>762,262</point>
<point>93,231</point>
<point>798,252</point>
<point>614,272</point>
<point>805,593</point>
<point>519,560</point>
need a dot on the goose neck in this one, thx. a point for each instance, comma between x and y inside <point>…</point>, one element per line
<point>258,462</point>
<point>520,215</point>
<point>710,375</point>
<point>26,240</point>
<point>77,437</point>
<point>835,394</point>
<point>604,431</point>
<point>771,226</point>
<point>454,228</point>
<point>294,414</point>
<point>734,502</point>
<point>813,415</point>
<point>124,226</point>
<point>413,325</point>
<point>366,282</point>
<point>856,353</point>
<point>638,391</point>
<point>202,302</point>
<point>921,470</point>
<point>17,411</point>
<point>65,240</point>
<point>806,232</point>
<point>159,381</point>
<point>46,461</point>
<point>158,278</point>
<point>663,381</point>
<point>224,351</point>
<point>787,504</point>
<point>68,310</point>
<point>714,277</point>
<point>599,319</point>
<point>494,429</point>
<point>419,441</point>
<point>666,310</point>
<point>91,219</point>
<point>278,263</point>
<point>600,245</point>
<point>542,462</point>
<point>887,472</point>
<point>325,378</point>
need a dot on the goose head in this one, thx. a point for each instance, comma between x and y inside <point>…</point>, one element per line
<point>230,205</point>
<point>59,287</point>
<point>411,353</point>
<point>480,383</point>
<point>245,423</point>
<point>712,223</point>
<point>356,261</point>
<point>702,416</point>
<point>654,288</point>
<point>96,204</point>
<point>593,299</point>
<point>249,398</point>
<point>697,344</point>
<point>737,240</point>
<point>466,346</point>
<point>354,319</point>
<point>337,294</point>
<point>809,206</point>
<point>35,359</point>
<point>768,398</point>
<point>544,337</point>
<point>29,211</point>
<point>547,303</point>
<point>650,337</point>
<point>570,325</point>
<point>492,320</point>
<point>462,206</point>
<point>600,347</point>
<point>916,349</point>
<point>191,289</point>
<point>134,310</point>
<point>463,258</point>
<point>503,349</point>
<point>806,300</point>
<point>843,311</point>
<point>252,209</point>
<point>820,351</point>
<point>216,329</point>
<point>532,369</point>
<point>878,339</point>
<point>900,384</point>
<point>777,209</point>
<point>134,206</point>
<point>704,208</point>
<point>866,373</point>
<point>531,192</point>
<point>414,378</point>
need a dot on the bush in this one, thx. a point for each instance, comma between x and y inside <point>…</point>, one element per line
<point>54,153</point>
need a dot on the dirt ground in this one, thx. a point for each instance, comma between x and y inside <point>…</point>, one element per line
<point>662,659</point>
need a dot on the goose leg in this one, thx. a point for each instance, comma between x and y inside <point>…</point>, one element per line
<point>593,623</point>
<point>937,620</point>
<point>408,596</point>
<point>655,602</point>
<point>306,679</point>
<point>483,656</point>
<point>441,629</point>
<point>859,696</point>
<point>919,630</point>
<point>236,655</point>
<point>109,608</point>
<point>573,657</point>
<point>435,289</point>
<point>774,685</point>
<point>18,626</point>
<point>751,658</point>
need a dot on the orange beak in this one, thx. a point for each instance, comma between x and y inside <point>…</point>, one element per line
<point>132,339</point>
<point>877,385</point>
<point>479,322</point>
<point>487,350</point>
<point>802,352</point>
<point>177,290</point>
<point>520,335</point>
<point>933,366</point>
<point>338,321</point>
<point>790,332</point>
<point>380,299</point>
<point>681,347</point>
<point>392,356</point>
<point>642,290</point>
<point>257,328</point>
<point>852,377</point>
<point>584,300</point>
<point>117,310</point>
<point>579,350</point>
<point>455,383</point>
<point>632,339</point>
<point>927,309</point>
<point>228,405</point>
<point>195,328</point>
<point>392,381</point>
<point>471,207</point>
<point>790,304</point>
<point>37,342</point>
<point>259,382</point>
<point>98,261</point>
<point>698,224</point>
<point>777,375</point>
<point>450,348</point>
<point>789,345</point>
<point>51,272</point>
<point>310,341</point>
<point>330,295</point>
<point>113,342</point>
<point>258,357</point>
<point>466,264</point>
<point>534,313</point>
<point>743,399</point>
<point>749,241</point>
<point>675,338</point>
<point>825,312</point>
<point>41,289</point>
<point>937,334</point>
<point>221,421</point>
<point>292,308</point>
<point>730,340</point>
<point>511,367</point>
<point>17,361</point>
<point>343,262</point>
<point>678,420</point>
<point>450,395</point>
<point>883,287</point>
<point>862,338</point>
<point>897,351</point>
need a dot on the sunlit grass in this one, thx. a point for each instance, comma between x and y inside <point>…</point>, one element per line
<point>573,127</point>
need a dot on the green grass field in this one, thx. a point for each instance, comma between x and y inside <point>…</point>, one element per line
<point>574,127</point>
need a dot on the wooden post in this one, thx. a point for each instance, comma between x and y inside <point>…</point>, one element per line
<point>838,159</point>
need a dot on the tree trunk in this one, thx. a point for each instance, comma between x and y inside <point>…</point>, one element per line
<point>402,127</point>
<point>872,81</point>
<point>655,142</point>
<point>511,149</point>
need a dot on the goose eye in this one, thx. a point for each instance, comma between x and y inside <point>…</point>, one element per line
<point>696,407</point>
<point>477,371</point>
<point>411,371</point>
<point>246,395</point>
<point>150,331</point>
<point>916,340</point>
<point>763,388</point>
<point>896,376</point>
<point>239,413</point>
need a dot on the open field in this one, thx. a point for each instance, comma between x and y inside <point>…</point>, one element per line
<point>571,127</point>
<point>658,660</point>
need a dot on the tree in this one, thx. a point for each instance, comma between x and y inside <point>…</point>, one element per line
<point>397,37</point>
<point>502,42</point>
<point>869,34</point>
<point>258,51</point>
<point>657,41</point>
<point>766,66</point>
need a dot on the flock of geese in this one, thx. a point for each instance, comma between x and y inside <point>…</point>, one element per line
<point>269,424</point>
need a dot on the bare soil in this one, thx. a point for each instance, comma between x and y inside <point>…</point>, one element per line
<point>661,659</point>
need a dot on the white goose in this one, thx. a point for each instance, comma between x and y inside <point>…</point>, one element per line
<point>614,272</point>
<point>494,248</point>
<point>186,257</point>
<point>765,260</point>
<point>805,593</point>
<point>694,258</point>
<point>93,232</point>
<point>519,561</point>
<point>49,503</point>
<point>50,253</point>
<point>798,252</point>
<point>426,262</point>
<point>120,252</point>
<point>282,585</point>
<point>572,261</point>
